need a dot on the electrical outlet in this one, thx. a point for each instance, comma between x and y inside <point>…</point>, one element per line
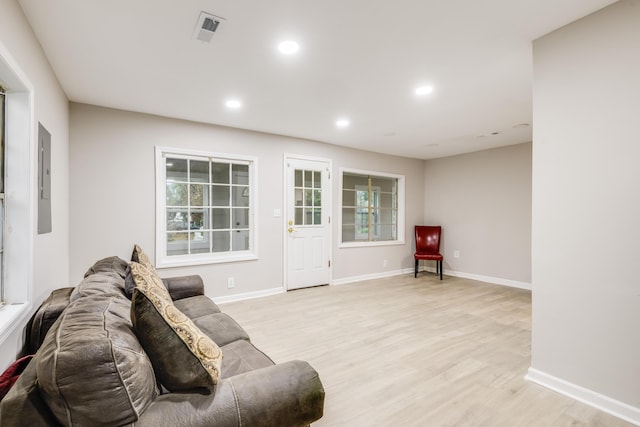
<point>456,254</point>
<point>385,263</point>
<point>231,282</point>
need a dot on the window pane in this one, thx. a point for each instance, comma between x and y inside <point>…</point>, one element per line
<point>348,216</point>
<point>220,219</point>
<point>199,171</point>
<point>351,180</point>
<point>197,220</point>
<point>317,216</point>
<point>298,219</point>
<point>308,198</point>
<point>308,179</point>
<point>348,233</point>
<point>362,198</point>
<point>176,169</point>
<point>384,184</point>
<point>240,240</point>
<point>317,179</point>
<point>240,174</point>
<point>221,241</point>
<point>199,195</point>
<point>298,178</point>
<point>177,243</point>
<point>308,216</point>
<point>240,196</point>
<point>317,197</point>
<point>298,197</point>
<point>387,200</point>
<point>177,219</point>
<point>241,218</point>
<point>386,216</point>
<point>176,194</point>
<point>220,195</point>
<point>348,198</point>
<point>199,242</point>
<point>220,173</point>
<point>386,232</point>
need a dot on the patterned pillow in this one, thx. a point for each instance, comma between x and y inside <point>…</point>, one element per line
<point>140,256</point>
<point>183,357</point>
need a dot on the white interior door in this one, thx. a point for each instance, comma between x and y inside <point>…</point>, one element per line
<point>307,222</point>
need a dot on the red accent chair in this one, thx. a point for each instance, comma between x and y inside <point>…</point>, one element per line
<point>428,246</point>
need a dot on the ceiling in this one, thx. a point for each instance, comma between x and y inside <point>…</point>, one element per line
<point>358,59</point>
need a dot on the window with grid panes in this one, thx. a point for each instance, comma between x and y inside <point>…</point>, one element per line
<point>372,210</point>
<point>207,214</point>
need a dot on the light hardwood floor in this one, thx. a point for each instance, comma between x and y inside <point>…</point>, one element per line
<point>414,352</point>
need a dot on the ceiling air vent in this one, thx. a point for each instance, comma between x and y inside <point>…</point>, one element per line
<point>206,27</point>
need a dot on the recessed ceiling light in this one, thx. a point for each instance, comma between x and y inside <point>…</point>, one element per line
<point>521,126</point>
<point>342,123</point>
<point>233,103</point>
<point>424,90</point>
<point>288,47</point>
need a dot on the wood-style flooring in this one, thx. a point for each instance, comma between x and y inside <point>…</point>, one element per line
<point>401,351</point>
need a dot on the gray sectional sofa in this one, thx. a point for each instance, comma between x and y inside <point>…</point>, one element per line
<point>90,368</point>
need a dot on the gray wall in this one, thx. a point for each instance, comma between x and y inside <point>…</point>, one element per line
<point>49,259</point>
<point>586,204</point>
<point>483,202</point>
<point>112,191</point>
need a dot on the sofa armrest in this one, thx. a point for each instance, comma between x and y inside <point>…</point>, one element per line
<point>184,286</point>
<point>288,394</point>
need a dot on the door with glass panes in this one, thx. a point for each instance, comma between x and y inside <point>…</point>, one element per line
<point>307,223</point>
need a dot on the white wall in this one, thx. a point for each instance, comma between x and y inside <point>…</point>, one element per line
<point>113,195</point>
<point>586,207</point>
<point>49,260</point>
<point>483,202</point>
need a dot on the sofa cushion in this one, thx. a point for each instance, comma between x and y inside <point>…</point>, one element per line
<point>183,357</point>
<point>97,284</point>
<point>197,306</point>
<point>92,370</point>
<point>242,356</point>
<point>221,328</point>
<point>109,265</point>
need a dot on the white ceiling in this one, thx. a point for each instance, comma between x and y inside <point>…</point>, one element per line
<point>359,59</point>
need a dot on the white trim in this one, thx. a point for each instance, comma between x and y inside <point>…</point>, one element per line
<point>166,261</point>
<point>352,279</point>
<point>401,209</point>
<point>285,211</point>
<point>20,193</point>
<point>480,278</point>
<point>599,401</point>
<point>248,295</point>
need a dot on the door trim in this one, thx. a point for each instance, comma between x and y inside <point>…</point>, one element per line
<point>285,206</point>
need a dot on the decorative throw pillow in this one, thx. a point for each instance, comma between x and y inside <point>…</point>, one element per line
<point>183,357</point>
<point>140,256</point>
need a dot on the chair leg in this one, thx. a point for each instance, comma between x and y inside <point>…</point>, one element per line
<point>415,273</point>
<point>440,263</point>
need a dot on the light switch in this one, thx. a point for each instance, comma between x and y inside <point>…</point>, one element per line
<point>277,213</point>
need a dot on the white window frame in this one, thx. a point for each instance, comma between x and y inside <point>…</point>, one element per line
<point>20,196</point>
<point>162,259</point>
<point>400,215</point>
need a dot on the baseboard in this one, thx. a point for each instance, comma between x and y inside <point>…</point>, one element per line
<point>371,276</point>
<point>487,279</point>
<point>248,295</point>
<point>611,406</point>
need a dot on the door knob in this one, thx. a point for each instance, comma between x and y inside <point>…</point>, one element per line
<point>291,230</point>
